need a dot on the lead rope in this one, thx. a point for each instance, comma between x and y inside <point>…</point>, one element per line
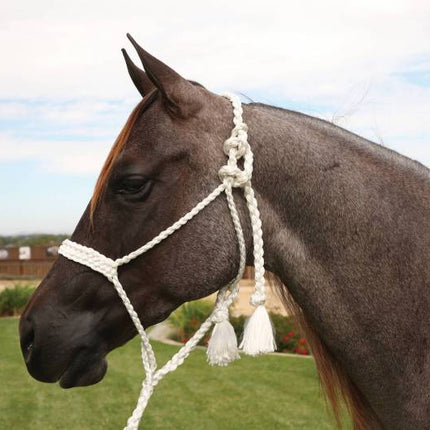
<point>258,335</point>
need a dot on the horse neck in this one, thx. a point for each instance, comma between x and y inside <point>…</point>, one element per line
<point>331,227</point>
<point>323,192</point>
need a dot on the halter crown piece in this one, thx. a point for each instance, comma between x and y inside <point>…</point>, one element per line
<point>258,334</point>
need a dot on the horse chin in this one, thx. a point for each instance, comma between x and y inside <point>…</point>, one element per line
<point>83,372</point>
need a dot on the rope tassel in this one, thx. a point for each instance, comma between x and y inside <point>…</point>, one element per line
<point>222,348</point>
<point>258,336</point>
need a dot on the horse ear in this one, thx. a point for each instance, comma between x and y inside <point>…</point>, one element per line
<point>140,79</point>
<point>180,96</point>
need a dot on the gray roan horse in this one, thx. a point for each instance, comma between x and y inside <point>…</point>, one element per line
<point>346,225</point>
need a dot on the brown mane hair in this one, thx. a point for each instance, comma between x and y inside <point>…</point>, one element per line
<point>117,148</point>
<point>337,386</point>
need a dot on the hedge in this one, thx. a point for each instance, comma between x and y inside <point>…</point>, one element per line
<point>13,300</point>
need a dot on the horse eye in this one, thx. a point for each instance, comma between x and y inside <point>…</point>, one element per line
<point>134,187</point>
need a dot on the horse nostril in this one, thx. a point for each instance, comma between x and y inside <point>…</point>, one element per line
<point>27,338</point>
<point>27,347</point>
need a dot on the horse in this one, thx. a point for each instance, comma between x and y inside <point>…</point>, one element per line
<point>347,237</point>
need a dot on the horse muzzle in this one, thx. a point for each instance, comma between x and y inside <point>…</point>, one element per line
<point>63,352</point>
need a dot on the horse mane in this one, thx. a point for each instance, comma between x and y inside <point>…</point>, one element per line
<point>339,389</point>
<point>117,147</point>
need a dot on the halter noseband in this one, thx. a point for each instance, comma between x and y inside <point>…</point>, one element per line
<point>258,335</point>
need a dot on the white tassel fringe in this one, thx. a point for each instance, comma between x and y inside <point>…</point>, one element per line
<point>258,337</point>
<point>222,348</point>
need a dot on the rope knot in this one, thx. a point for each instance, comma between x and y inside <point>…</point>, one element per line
<point>235,176</point>
<point>236,144</point>
<point>258,298</point>
<point>220,315</point>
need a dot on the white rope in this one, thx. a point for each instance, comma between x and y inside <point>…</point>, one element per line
<point>231,176</point>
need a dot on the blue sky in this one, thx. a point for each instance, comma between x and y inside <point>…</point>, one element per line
<point>65,92</point>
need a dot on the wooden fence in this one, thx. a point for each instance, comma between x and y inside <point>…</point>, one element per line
<point>25,268</point>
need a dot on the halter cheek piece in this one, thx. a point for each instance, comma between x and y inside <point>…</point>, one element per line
<point>258,335</point>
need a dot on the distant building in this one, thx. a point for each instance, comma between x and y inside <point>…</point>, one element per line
<point>27,261</point>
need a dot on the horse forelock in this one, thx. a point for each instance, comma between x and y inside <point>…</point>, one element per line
<point>117,148</point>
<point>119,144</point>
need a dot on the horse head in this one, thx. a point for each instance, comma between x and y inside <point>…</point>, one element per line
<point>164,161</point>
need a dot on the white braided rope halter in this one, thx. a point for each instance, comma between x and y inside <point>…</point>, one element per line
<point>258,335</point>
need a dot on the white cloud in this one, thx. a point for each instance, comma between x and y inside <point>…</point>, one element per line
<point>344,55</point>
<point>301,48</point>
<point>72,158</point>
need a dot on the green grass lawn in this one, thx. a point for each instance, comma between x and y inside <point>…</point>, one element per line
<point>268,393</point>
